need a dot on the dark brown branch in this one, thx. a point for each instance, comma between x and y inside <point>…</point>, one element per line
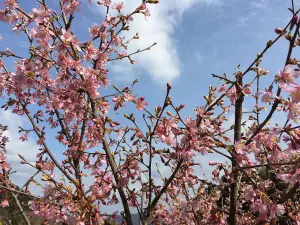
<point>272,164</point>
<point>113,166</point>
<point>289,193</point>
<point>166,185</point>
<point>134,53</point>
<point>20,208</point>
<point>166,102</point>
<point>237,136</point>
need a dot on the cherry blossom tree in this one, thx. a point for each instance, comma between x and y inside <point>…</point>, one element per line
<point>63,85</point>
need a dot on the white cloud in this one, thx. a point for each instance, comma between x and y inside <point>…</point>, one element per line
<point>123,71</point>
<point>15,146</point>
<point>163,61</point>
<point>260,4</point>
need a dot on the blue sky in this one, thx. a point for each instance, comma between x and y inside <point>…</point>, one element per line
<point>195,38</point>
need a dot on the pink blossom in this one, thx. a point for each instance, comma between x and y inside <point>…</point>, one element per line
<point>2,157</point>
<point>200,110</point>
<point>294,110</point>
<point>222,89</point>
<point>295,92</point>
<point>284,177</point>
<point>133,201</point>
<point>41,15</point>
<point>5,139</point>
<point>120,133</point>
<point>147,13</point>
<point>91,51</point>
<point>4,203</point>
<point>169,140</point>
<point>69,38</point>
<point>262,208</point>
<point>123,182</point>
<point>280,210</point>
<point>11,4</point>
<point>231,93</point>
<point>104,2</point>
<point>267,96</point>
<point>94,30</point>
<point>128,97</point>
<point>247,90</point>
<point>140,103</point>
<point>250,194</point>
<point>118,6</point>
<point>287,77</point>
<point>295,177</point>
<point>70,7</point>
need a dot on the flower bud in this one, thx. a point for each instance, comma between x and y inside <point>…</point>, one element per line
<point>169,86</point>
<point>153,1</point>
<point>278,31</point>
<point>180,107</point>
<point>293,22</point>
<point>294,61</point>
<point>211,163</point>
<point>288,36</point>
<point>126,116</point>
<point>157,110</point>
<point>169,113</point>
<point>143,6</point>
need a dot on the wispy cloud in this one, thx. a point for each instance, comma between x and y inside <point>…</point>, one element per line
<point>163,61</point>
<point>260,4</point>
<point>15,146</point>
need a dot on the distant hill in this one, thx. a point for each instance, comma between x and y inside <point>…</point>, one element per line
<point>12,212</point>
<point>135,219</point>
